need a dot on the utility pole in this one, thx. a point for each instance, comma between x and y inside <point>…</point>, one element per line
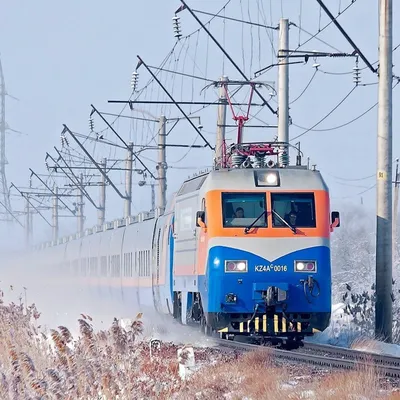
<point>283,92</point>
<point>395,214</point>
<point>221,122</point>
<point>101,212</point>
<point>81,218</point>
<point>128,181</point>
<point>27,223</point>
<point>4,191</point>
<point>55,214</point>
<point>383,306</point>
<point>153,197</point>
<point>162,164</point>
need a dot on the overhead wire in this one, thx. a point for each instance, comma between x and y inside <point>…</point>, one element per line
<point>251,37</point>
<point>326,26</point>
<point>305,89</point>
<point>163,63</point>
<point>351,179</point>
<point>301,29</point>
<point>300,19</point>
<point>357,194</point>
<point>352,72</point>
<point>327,115</point>
<point>82,161</point>
<point>346,123</point>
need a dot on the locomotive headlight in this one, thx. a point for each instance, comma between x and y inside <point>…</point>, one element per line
<point>305,266</point>
<point>300,266</point>
<point>235,266</point>
<point>267,178</point>
<point>271,179</point>
<point>241,266</point>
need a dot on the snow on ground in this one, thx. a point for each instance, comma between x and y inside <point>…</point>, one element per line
<point>342,332</point>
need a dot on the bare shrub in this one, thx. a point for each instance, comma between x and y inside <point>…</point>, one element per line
<point>116,364</point>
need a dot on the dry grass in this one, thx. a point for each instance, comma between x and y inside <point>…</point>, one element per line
<point>345,385</point>
<point>116,364</point>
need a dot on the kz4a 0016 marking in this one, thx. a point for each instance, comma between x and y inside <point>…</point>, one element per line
<point>271,267</point>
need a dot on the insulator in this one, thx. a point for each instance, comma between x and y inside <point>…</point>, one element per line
<point>47,166</point>
<point>64,141</point>
<point>134,80</point>
<point>246,163</point>
<point>268,162</point>
<point>283,158</point>
<point>177,27</point>
<point>237,160</point>
<point>258,162</point>
<point>91,124</point>
<point>356,74</point>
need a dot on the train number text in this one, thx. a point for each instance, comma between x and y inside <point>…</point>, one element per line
<point>271,268</point>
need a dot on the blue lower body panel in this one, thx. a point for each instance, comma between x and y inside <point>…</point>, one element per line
<point>270,294</point>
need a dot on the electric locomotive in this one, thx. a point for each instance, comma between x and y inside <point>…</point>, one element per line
<point>256,259</point>
<point>241,251</point>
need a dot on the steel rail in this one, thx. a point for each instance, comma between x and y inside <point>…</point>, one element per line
<point>321,360</point>
<point>383,359</point>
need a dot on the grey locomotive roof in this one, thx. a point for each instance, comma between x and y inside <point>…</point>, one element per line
<point>243,179</point>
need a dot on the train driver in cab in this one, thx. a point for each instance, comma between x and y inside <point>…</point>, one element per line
<point>239,213</point>
<point>291,218</point>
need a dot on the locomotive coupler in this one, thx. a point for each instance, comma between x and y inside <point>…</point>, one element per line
<point>274,295</point>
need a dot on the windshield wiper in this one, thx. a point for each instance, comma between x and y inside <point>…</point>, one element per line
<point>291,227</point>
<point>246,230</point>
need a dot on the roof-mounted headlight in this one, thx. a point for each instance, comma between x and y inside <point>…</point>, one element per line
<point>267,178</point>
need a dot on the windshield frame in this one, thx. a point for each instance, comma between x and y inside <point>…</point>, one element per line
<point>257,196</point>
<point>309,194</point>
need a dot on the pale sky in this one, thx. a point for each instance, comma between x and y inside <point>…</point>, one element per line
<point>58,58</point>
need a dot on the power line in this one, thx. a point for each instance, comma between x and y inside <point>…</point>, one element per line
<point>348,38</point>
<point>352,72</point>
<point>327,115</point>
<point>346,123</point>
<point>314,36</point>
<point>305,89</point>
<point>351,179</point>
<point>237,20</point>
<point>320,40</point>
<point>185,6</point>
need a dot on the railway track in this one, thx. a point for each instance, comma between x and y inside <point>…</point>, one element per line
<point>350,354</point>
<point>330,356</point>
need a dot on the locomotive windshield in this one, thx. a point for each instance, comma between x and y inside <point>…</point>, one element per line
<point>241,209</point>
<point>297,210</point>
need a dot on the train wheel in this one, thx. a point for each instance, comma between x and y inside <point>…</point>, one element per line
<point>205,329</point>
<point>177,307</point>
<point>291,344</point>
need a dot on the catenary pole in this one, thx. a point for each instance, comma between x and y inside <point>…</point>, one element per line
<point>128,181</point>
<point>383,306</point>
<point>27,223</point>
<point>283,92</point>
<point>162,164</point>
<point>81,217</point>
<point>395,215</point>
<point>101,212</point>
<point>55,228</point>
<point>221,123</point>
